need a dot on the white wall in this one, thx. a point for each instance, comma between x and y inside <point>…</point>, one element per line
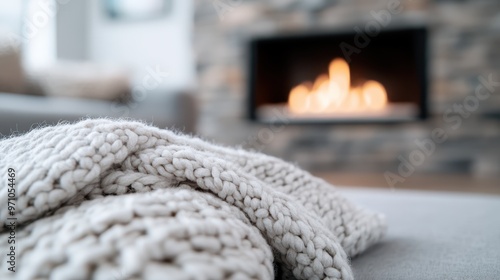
<point>139,45</point>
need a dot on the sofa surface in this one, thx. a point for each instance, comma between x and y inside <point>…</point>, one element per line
<point>431,235</point>
<point>19,113</point>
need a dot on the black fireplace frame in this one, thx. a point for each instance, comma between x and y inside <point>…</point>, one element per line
<point>420,35</point>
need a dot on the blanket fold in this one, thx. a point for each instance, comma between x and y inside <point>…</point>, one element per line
<point>104,199</point>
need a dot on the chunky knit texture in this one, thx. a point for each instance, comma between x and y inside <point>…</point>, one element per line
<point>107,199</point>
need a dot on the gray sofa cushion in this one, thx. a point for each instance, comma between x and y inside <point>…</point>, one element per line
<point>432,235</point>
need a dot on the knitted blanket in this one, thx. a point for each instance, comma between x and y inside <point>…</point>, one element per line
<point>103,199</point>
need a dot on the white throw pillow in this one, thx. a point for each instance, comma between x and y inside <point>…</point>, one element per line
<point>82,80</point>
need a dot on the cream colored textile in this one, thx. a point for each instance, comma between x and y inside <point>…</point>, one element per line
<point>101,199</point>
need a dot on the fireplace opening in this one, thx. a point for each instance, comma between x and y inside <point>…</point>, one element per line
<point>339,77</point>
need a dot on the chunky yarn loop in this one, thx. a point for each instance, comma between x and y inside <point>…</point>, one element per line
<point>103,199</point>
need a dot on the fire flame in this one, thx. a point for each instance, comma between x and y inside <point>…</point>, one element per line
<point>333,93</point>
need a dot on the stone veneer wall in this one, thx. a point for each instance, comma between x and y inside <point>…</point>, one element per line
<point>464,43</point>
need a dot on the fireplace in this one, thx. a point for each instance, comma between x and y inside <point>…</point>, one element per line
<point>339,77</point>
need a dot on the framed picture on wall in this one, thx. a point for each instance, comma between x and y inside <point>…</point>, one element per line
<point>137,9</point>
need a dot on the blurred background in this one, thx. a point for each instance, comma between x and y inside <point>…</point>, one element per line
<point>252,73</point>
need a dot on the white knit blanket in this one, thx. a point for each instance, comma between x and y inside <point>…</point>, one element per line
<point>103,199</point>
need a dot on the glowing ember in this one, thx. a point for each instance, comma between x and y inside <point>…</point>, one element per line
<point>333,93</point>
